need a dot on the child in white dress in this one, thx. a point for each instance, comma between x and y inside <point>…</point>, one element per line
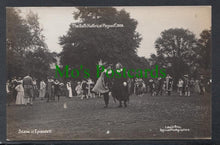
<point>20,94</point>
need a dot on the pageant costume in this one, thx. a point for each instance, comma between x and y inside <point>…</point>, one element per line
<point>120,89</point>
<point>28,89</point>
<point>101,87</point>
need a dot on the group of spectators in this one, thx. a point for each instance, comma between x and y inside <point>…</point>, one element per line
<point>22,91</point>
<point>165,86</point>
<point>25,90</point>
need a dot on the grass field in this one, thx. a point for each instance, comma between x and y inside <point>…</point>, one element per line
<point>76,119</point>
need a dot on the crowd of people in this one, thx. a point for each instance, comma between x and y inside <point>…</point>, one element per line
<point>165,86</point>
<point>22,91</point>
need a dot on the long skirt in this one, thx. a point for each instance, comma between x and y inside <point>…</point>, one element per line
<point>120,92</point>
<point>70,92</point>
<point>42,93</point>
<point>20,98</point>
<point>100,85</point>
<point>197,89</point>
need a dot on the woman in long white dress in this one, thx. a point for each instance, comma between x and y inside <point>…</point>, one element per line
<point>100,85</point>
<point>197,87</point>
<point>20,94</point>
<point>78,89</point>
<point>42,89</point>
<point>69,88</point>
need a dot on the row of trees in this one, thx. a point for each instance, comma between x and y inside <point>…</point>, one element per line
<point>25,45</point>
<point>178,50</point>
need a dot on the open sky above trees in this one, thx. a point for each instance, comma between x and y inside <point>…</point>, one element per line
<point>152,21</point>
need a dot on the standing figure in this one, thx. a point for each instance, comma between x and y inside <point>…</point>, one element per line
<point>202,85</point>
<point>90,86</point>
<point>20,94</point>
<point>160,86</point>
<point>57,89</point>
<point>50,89</point>
<point>42,90</point>
<point>151,86</point>
<point>78,89</point>
<point>192,85</point>
<point>169,84</point>
<point>129,86</point>
<point>73,86</point>
<point>139,86</point>
<point>9,92</point>
<point>187,85</point>
<point>120,87</point>
<point>28,89</point>
<point>84,87</point>
<point>14,92</point>
<point>101,87</point>
<point>180,87</point>
<point>197,88</point>
<point>69,89</point>
<point>35,89</point>
<point>136,86</point>
<point>143,88</point>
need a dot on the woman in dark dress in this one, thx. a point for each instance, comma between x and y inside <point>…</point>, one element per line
<point>120,87</point>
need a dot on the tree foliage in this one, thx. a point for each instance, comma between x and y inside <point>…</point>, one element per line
<point>204,49</point>
<point>26,49</point>
<point>181,53</point>
<point>86,46</point>
<point>176,50</point>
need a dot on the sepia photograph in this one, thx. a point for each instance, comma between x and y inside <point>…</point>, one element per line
<point>108,73</point>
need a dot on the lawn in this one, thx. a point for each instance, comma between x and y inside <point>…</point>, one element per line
<point>76,119</point>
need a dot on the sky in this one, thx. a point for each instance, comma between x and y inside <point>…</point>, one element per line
<point>152,20</point>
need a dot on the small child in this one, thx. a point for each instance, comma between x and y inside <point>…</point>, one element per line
<point>84,87</point>
<point>20,94</point>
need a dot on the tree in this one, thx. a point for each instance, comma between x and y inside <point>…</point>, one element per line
<point>39,62</point>
<point>176,48</point>
<point>86,46</point>
<point>204,49</point>
<point>38,57</point>
<point>26,49</point>
<point>18,38</point>
<point>37,39</point>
